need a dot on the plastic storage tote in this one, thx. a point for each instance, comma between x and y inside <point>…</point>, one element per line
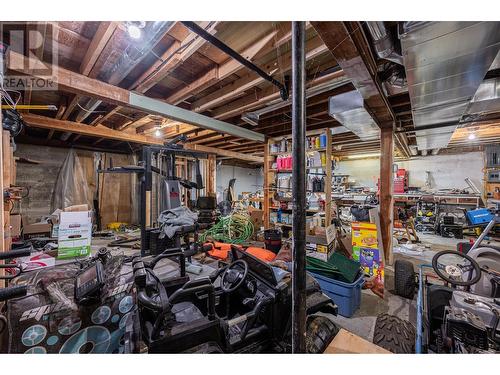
<point>346,296</point>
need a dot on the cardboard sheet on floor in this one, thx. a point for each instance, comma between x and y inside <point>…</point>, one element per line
<point>348,343</point>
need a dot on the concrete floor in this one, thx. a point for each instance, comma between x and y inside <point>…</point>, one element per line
<point>362,323</point>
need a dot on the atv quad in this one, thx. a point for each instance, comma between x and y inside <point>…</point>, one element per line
<point>242,307</point>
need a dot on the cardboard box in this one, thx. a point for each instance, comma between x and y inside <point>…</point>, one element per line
<point>75,234</point>
<point>37,230</point>
<point>364,235</point>
<point>320,247</point>
<point>257,217</point>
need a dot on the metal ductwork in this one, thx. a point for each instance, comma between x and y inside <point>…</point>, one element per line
<point>253,117</point>
<point>153,32</point>
<point>349,110</point>
<point>383,42</point>
<point>445,63</point>
<point>486,100</point>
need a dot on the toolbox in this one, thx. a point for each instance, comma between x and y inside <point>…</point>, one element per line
<point>479,216</point>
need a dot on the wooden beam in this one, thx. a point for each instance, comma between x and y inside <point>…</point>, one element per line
<point>99,41</point>
<point>266,206</point>
<point>98,131</point>
<point>386,191</point>
<point>211,176</point>
<point>71,106</point>
<point>83,85</point>
<point>219,72</point>
<point>175,55</point>
<point>101,38</point>
<point>41,29</point>
<point>218,151</point>
<point>134,124</point>
<point>314,49</point>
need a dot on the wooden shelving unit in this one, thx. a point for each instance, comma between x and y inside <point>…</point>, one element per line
<point>489,184</point>
<point>271,174</point>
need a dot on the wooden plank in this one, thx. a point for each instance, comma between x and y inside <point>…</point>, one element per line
<point>101,38</point>
<point>219,73</point>
<point>73,82</point>
<point>98,131</point>
<point>328,184</point>
<point>266,206</point>
<point>71,106</point>
<point>41,28</point>
<point>176,54</point>
<point>221,152</point>
<point>386,191</point>
<point>346,342</point>
<point>250,80</point>
<point>211,175</point>
<point>83,85</point>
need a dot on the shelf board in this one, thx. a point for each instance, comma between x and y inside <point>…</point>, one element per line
<point>321,149</point>
<point>289,209</point>
<point>290,171</point>
<point>282,224</point>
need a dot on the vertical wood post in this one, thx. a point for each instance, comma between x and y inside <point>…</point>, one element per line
<point>386,191</point>
<point>212,172</point>
<point>267,194</point>
<point>328,182</point>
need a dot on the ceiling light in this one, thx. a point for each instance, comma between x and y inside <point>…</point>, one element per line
<point>134,31</point>
<point>157,133</point>
<point>472,136</point>
<point>362,156</point>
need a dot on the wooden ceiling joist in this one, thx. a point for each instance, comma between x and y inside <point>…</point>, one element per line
<point>218,73</point>
<point>82,85</point>
<point>98,131</point>
<point>175,55</point>
<point>102,133</point>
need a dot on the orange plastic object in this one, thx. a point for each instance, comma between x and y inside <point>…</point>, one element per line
<point>262,254</point>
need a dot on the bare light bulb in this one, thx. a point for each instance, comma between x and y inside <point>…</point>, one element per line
<point>472,136</point>
<point>158,133</point>
<point>134,31</point>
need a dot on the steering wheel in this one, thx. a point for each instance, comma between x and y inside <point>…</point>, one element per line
<point>234,275</point>
<point>451,265</point>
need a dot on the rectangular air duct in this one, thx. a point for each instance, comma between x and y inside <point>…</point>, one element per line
<point>349,110</point>
<point>445,63</point>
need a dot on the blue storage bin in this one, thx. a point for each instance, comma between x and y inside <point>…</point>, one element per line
<point>346,296</point>
<point>479,216</point>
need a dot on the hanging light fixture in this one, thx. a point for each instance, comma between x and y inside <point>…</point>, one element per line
<point>134,29</point>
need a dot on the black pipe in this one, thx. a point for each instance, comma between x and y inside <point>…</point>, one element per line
<point>299,188</point>
<point>235,55</point>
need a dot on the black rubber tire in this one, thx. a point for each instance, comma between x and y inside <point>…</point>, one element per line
<point>404,279</point>
<point>394,334</point>
<point>319,334</point>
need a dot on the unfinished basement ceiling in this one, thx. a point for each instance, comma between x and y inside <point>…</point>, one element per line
<point>182,69</point>
<point>445,63</point>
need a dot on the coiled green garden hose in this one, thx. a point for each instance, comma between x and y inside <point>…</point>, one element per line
<point>235,228</point>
